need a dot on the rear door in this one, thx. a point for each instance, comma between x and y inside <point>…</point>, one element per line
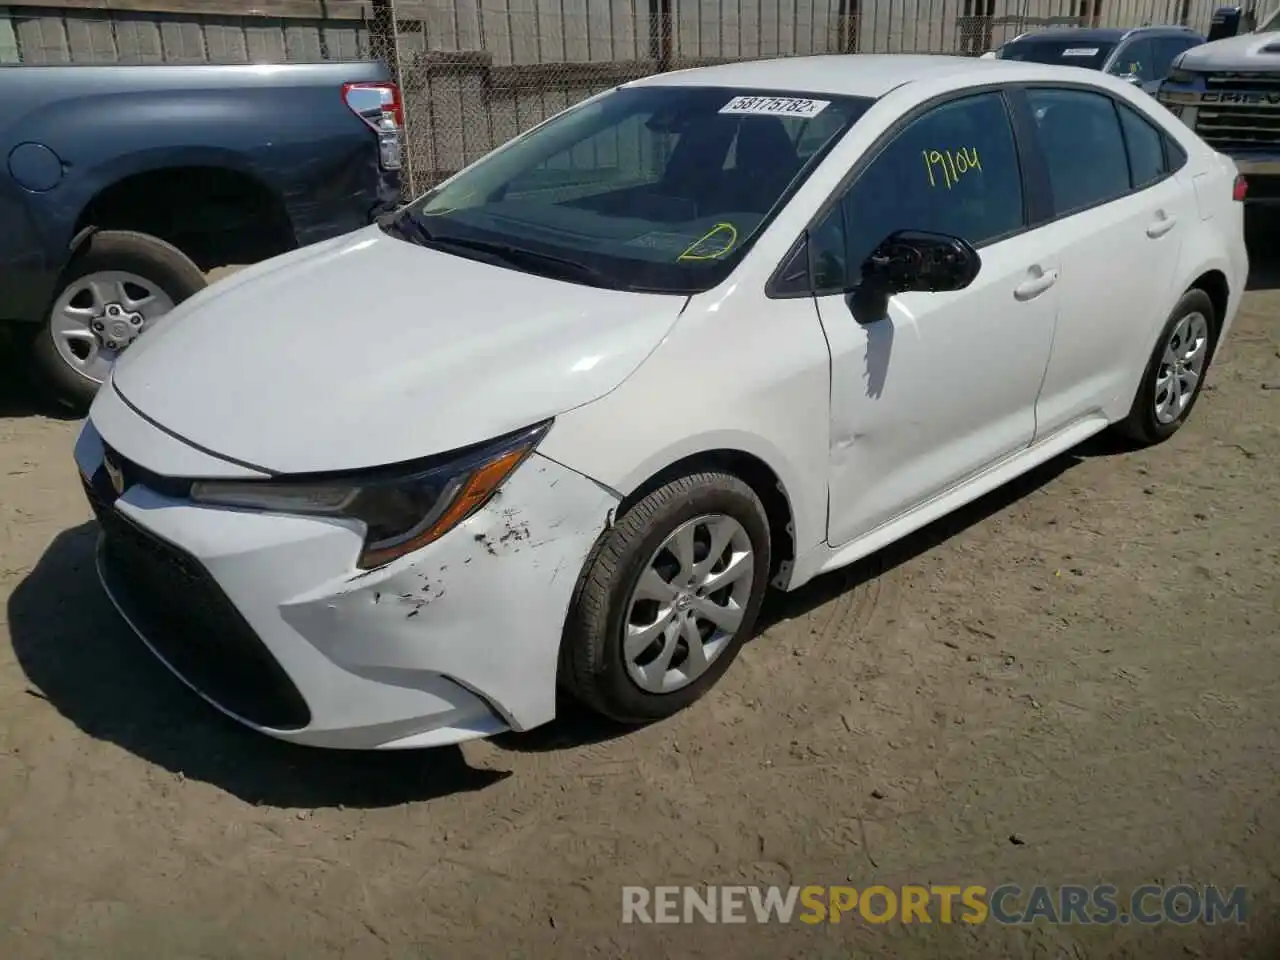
<point>1120,215</point>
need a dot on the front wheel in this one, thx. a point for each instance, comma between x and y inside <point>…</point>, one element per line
<point>115,289</point>
<point>667,598</point>
<point>1175,371</point>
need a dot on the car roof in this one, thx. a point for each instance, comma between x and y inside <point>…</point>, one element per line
<point>851,74</point>
<point>1099,34</point>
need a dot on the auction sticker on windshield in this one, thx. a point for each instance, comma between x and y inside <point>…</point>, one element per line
<point>776,106</point>
<point>1080,52</point>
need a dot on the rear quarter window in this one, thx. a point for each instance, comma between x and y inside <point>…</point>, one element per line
<point>1175,156</point>
<point>1145,145</point>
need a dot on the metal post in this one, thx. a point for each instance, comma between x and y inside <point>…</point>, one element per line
<point>660,34</point>
<point>384,15</point>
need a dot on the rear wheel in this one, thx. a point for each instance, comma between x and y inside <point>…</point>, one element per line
<point>667,598</point>
<point>1175,371</point>
<point>117,288</point>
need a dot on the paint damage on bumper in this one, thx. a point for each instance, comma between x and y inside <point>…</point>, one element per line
<point>458,640</point>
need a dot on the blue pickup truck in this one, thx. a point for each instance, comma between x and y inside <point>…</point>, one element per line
<point>121,186</point>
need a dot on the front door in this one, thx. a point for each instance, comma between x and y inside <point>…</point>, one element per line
<point>944,384</point>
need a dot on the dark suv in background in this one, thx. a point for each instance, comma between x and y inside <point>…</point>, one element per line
<point>1141,55</point>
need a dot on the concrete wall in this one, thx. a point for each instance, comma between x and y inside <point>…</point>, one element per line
<point>57,34</point>
<point>8,39</point>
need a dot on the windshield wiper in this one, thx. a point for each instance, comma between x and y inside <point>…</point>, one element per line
<point>522,257</point>
<point>406,226</point>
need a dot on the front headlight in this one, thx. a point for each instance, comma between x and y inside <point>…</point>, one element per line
<point>402,509</point>
<point>1180,76</point>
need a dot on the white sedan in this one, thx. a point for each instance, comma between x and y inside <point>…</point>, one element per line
<point>563,420</point>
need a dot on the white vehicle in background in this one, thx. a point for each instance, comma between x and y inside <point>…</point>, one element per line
<point>1228,92</point>
<point>563,420</point>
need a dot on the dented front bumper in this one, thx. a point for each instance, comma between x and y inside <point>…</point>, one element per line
<point>456,641</point>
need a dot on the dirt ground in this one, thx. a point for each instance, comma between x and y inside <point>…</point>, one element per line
<point>1085,662</point>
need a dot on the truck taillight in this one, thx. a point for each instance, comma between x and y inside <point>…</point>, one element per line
<point>378,104</point>
<point>1240,189</point>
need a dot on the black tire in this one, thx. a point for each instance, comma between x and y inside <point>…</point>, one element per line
<point>592,668</point>
<point>1141,427</point>
<point>161,263</point>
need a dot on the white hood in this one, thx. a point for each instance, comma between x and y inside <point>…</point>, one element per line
<point>1250,51</point>
<point>368,350</point>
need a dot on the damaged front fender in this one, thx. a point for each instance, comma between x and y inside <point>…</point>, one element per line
<point>483,607</point>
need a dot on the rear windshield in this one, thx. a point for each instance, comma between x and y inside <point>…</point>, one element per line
<point>659,188</point>
<point>1070,53</point>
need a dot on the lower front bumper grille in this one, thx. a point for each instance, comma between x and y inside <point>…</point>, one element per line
<point>1232,128</point>
<point>182,613</point>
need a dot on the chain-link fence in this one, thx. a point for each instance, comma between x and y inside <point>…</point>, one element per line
<point>474,73</point>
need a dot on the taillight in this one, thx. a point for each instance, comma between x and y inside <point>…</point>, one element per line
<point>1240,189</point>
<point>378,104</point>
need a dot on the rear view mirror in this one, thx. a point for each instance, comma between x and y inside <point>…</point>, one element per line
<point>668,121</point>
<point>917,261</point>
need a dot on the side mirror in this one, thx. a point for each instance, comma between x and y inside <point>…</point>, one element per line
<point>1225,23</point>
<point>917,261</point>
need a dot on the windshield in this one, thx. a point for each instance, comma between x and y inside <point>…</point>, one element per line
<point>1271,23</point>
<point>1067,53</point>
<point>658,188</point>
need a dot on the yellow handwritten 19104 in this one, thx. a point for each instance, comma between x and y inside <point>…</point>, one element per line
<point>952,164</point>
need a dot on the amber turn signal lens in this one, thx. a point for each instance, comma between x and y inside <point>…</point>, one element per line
<point>475,491</point>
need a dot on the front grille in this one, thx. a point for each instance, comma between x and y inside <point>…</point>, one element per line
<point>1247,117</point>
<point>1248,80</point>
<point>183,613</point>
<point>1233,128</point>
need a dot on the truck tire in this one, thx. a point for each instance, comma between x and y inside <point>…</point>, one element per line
<point>114,289</point>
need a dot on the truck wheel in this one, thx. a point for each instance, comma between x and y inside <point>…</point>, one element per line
<point>115,289</point>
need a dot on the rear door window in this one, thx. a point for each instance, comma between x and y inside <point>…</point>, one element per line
<point>1080,135</point>
<point>1136,59</point>
<point>1167,49</point>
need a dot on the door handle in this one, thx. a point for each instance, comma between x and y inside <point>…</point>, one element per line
<point>1035,286</point>
<point>1161,227</point>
